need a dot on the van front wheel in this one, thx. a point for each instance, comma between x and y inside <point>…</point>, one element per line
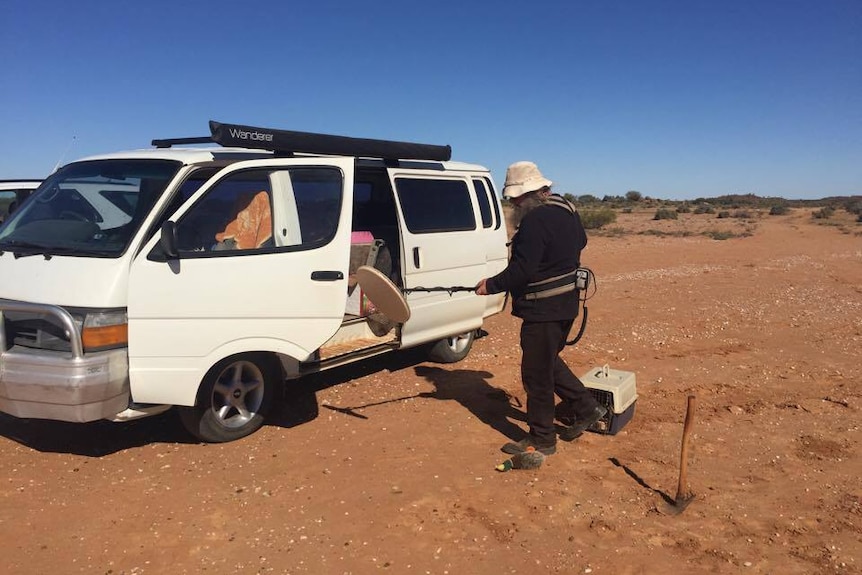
<point>233,399</point>
<point>453,348</point>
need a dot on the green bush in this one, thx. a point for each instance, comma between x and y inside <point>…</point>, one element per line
<point>665,214</point>
<point>594,219</point>
<point>704,209</point>
<point>823,213</point>
<point>743,214</point>
<point>723,214</point>
<point>683,209</point>
<point>778,210</point>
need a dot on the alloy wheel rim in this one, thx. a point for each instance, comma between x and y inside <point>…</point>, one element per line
<point>237,394</point>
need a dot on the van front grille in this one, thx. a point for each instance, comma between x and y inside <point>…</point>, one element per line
<point>35,331</point>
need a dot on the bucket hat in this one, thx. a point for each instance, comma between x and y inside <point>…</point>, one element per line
<point>523,178</point>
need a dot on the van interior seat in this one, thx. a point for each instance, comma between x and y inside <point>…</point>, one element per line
<point>389,235</point>
<point>252,227</point>
<point>366,250</point>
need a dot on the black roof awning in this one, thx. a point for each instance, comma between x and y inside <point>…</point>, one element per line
<point>287,141</point>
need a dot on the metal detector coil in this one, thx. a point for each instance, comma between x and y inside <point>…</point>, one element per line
<point>384,294</point>
<point>389,298</point>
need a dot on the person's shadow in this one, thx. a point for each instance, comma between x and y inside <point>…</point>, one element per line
<point>491,405</point>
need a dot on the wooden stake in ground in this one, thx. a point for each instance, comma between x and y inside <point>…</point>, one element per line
<point>683,495</point>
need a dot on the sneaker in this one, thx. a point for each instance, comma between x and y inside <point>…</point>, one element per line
<point>576,429</point>
<point>525,445</point>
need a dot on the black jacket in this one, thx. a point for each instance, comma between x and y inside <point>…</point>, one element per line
<point>548,243</point>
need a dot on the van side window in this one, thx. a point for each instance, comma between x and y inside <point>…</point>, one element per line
<point>315,196</point>
<point>435,205</point>
<point>235,214</point>
<point>496,205</point>
<point>295,208</point>
<point>484,203</point>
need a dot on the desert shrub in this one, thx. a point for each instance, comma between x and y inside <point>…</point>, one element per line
<point>596,218</point>
<point>719,235</point>
<point>633,196</point>
<point>723,214</point>
<point>615,231</point>
<point>743,214</point>
<point>683,209</point>
<point>665,214</point>
<point>854,206</point>
<point>704,209</point>
<point>627,210</point>
<point>778,210</point>
<point>823,213</point>
<point>662,233</point>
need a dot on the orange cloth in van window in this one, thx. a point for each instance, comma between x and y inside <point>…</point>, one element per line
<point>252,226</point>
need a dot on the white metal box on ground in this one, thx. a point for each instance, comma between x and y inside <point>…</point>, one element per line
<point>615,390</point>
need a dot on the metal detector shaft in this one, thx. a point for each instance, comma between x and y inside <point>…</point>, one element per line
<point>449,290</point>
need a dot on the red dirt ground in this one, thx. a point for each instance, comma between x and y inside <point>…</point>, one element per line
<point>389,466</point>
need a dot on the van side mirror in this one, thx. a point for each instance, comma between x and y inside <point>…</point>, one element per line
<point>168,240</point>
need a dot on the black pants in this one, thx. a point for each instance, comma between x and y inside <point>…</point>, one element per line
<point>543,374</point>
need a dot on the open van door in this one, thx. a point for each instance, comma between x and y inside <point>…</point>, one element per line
<point>441,247</point>
<point>259,264</point>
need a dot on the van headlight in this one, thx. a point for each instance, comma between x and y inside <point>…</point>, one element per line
<point>102,329</point>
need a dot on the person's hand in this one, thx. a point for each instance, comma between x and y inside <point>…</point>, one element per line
<point>481,288</point>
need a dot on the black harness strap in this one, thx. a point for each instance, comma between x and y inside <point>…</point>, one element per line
<point>550,287</point>
<point>560,284</point>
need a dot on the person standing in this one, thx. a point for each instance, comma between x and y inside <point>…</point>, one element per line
<point>546,251</point>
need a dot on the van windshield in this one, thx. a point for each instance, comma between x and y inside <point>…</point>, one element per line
<point>88,208</point>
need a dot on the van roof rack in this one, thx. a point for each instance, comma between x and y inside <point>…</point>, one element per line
<point>287,142</point>
<point>170,142</point>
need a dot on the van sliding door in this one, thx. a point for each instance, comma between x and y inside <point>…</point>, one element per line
<point>441,247</point>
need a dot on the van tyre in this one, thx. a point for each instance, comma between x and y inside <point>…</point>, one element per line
<point>453,348</point>
<point>234,398</point>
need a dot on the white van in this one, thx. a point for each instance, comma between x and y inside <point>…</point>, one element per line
<point>204,277</point>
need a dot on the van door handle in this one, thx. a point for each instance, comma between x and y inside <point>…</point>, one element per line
<point>326,276</point>
<point>416,261</point>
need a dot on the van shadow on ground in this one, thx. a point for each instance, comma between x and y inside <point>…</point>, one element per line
<point>300,403</point>
<point>94,439</point>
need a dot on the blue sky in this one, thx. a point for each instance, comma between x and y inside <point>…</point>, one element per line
<point>674,98</point>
